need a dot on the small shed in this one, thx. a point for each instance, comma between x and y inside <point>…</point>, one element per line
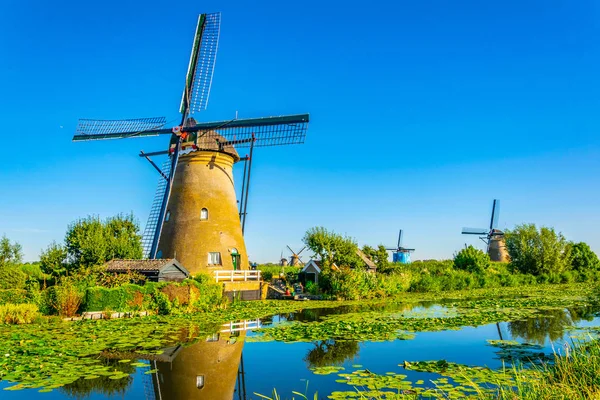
<point>313,268</point>
<point>154,270</point>
<point>368,263</point>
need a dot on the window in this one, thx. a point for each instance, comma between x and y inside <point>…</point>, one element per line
<point>204,213</point>
<point>214,258</point>
<point>159,254</point>
<point>234,251</point>
<point>168,216</point>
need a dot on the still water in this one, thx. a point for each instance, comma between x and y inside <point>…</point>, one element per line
<point>226,366</point>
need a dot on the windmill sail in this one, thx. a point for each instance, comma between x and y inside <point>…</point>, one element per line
<point>96,129</point>
<point>153,218</point>
<point>474,231</point>
<point>202,64</point>
<point>495,214</point>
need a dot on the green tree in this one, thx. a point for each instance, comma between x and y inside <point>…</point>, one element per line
<point>379,256</point>
<point>537,252</point>
<point>90,242</point>
<point>582,258</point>
<point>11,254</point>
<point>53,260</point>
<point>472,260</point>
<point>332,248</point>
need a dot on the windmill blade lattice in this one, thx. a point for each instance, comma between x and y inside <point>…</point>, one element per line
<point>269,131</point>
<point>95,129</point>
<point>202,63</point>
<point>153,218</point>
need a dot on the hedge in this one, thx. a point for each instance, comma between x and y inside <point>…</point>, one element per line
<point>122,298</point>
<point>14,296</point>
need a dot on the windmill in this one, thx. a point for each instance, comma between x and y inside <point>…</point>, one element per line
<point>282,260</point>
<point>195,216</point>
<point>401,254</point>
<point>492,236</point>
<point>295,258</point>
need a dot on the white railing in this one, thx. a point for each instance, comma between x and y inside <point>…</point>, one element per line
<point>226,275</point>
<point>246,325</point>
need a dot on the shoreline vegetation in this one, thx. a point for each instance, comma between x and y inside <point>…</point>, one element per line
<point>546,274</point>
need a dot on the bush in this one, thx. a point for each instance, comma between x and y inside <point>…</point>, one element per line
<point>14,296</point>
<point>210,293</point>
<point>18,313</point>
<point>127,297</point>
<point>162,303</point>
<point>11,277</point>
<point>64,299</point>
<point>472,260</point>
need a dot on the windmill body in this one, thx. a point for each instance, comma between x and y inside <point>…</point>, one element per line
<point>492,236</point>
<point>400,254</point>
<point>196,217</point>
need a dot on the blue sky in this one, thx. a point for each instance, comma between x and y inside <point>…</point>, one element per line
<point>421,114</point>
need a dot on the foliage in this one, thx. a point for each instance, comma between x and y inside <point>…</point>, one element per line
<point>18,313</point>
<point>12,277</point>
<point>269,271</point>
<point>121,298</point>
<point>111,280</point>
<point>472,260</point>
<point>163,304</point>
<point>330,352</point>
<point>582,258</point>
<point>15,296</point>
<point>332,248</point>
<point>537,252</point>
<point>53,260</point>
<point>573,375</point>
<point>64,299</point>
<point>11,254</point>
<point>379,256</point>
<point>90,242</point>
<point>210,294</point>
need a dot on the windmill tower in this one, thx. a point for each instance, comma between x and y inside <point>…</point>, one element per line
<point>195,216</point>
<point>492,237</point>
<point>401,254</point>
<point>295,259</point>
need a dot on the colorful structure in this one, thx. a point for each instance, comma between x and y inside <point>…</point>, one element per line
<point>195,216</point>
<point>492,237</point>
<point>400,254</point>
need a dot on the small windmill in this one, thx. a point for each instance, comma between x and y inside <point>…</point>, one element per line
<point>195,215</point>
<point>400,254</point>
<point>492,236</point>
<point>295,258</point>
<point>282,260</point>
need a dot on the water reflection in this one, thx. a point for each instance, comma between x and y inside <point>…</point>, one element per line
<point>331,352</point>
<point>551,325</point>
<point>208,369</point>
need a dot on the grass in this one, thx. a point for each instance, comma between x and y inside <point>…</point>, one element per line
<point>575,374</point>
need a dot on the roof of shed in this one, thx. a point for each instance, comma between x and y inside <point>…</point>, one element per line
<point>142,265</point>
<point>366,259</point>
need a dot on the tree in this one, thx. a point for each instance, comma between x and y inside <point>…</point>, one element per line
<point>10,254</point>
<point>537,252</point>
<point>472,260</point>
<point>379,256</point>
<point>582,258</point>
<point>90,242</point>
<point>332,248</point>
<point>53,260</point>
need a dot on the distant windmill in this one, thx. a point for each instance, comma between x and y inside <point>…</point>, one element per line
<point>492,236</point>
<point>195,216</point>
<point>282,260</point>
<point>401,254</point>
<point>295,258</point>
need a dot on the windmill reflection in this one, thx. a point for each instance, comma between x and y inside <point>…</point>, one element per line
<point>208,369</point>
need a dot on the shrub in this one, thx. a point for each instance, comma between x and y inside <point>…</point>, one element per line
<point>18,313</point>
<point>210,293</point>
<point>163,304</point>
<point>11,277</point>
<point>127,297</point>
<point>14,296</point>
<point>64,299</point>
<point>472,260</point>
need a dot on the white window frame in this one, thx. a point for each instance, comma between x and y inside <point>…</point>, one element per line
<point>214,258</point>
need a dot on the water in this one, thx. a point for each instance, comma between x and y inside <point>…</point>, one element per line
<point>225,366</point>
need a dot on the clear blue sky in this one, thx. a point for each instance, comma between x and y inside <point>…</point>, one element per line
<point>421,114</point>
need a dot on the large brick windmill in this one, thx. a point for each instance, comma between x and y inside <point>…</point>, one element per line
<point>195,216</point>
